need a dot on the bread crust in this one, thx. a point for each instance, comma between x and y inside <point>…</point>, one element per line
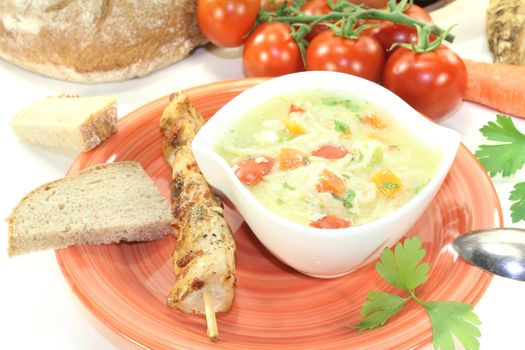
<point>99,127</point>
<point>13,234</point>
<point>98,40</point>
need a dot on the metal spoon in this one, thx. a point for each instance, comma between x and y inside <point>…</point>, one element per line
<point>500,251</point>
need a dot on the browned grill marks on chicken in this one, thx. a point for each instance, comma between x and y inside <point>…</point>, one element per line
<point>185,260</point>
<point>197,284</point>
<point>204,252</point>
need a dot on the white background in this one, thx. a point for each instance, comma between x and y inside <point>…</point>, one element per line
<point>37,307</point>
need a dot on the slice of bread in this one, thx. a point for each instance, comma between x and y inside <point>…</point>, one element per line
<point>106,203</point>
<point>73,122</point>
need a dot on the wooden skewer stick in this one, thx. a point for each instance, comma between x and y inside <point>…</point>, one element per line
<point>211,321</point>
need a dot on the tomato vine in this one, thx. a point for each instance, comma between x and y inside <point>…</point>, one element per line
<point>345,20</point>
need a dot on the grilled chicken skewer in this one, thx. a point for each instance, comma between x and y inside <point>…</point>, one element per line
<point>203,260</point>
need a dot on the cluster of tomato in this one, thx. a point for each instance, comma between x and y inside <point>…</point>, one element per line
<point>432,82</point>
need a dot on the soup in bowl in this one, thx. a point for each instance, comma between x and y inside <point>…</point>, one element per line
<point>326,168</point>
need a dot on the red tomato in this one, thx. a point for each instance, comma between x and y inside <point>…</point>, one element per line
<point>226,22</point>
<point>389,33</point>
<point>295,109</point>
<point>377,23</point>
<point>330,152</point>
<point>251,171</point>
<point>271,51</point>
<point>418,13</point>
<point>316,7</point>
<point>371,3</point>
<point>395,33</point>
<point>331,221</point>
<point>434,83</point>
<point>270,6</point>
<point>363,57</point>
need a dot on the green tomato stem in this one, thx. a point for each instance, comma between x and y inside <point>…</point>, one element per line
<point>356,12</point>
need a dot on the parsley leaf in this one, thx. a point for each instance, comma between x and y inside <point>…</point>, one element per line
<point>403,269</point>
<point>517,210</point>
<point>341,126</point>
<point>506,158</point>
<point>378,308</point>
<point>453,318</point>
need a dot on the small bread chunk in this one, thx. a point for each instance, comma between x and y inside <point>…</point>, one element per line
<point>103,204</point>
<point>78,123</point>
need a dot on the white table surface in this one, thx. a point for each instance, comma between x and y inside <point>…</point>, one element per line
<point>37,307</point>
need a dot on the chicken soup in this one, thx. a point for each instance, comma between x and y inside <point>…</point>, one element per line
<point>326,160</point>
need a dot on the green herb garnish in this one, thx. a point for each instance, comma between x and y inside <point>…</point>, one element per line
<point>333,101</point>
<point>505,158</point>
<point>348,201</point>
<point>389,185</point>
<point>330,101</point>
<point>340,126</point>
<point>517,210</point>
<point>287,186</point>
<point>351,105</point>
<point>420,187</point>
<point>403,268</point>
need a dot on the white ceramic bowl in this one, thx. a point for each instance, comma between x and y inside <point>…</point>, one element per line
<point>312,251</point>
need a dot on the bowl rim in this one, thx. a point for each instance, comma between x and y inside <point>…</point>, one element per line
<point>207,137</point>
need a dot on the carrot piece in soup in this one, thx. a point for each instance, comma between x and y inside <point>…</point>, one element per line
<point>294,128</point>
<point>251,171</point>
<point>330,152</point>
<point>329,182</point>
<point>387,183</point>
<point>290,158</point>
<point>331,221</point>
<point>374,121</point>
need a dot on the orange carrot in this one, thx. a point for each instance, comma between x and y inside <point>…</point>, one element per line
<point>294,128</point>
<point>290,158</point>
<point>329,182</point>
<point>497,85</point>
<point>374,121</point>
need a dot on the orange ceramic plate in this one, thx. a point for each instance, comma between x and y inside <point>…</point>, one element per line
<point>125,285</point>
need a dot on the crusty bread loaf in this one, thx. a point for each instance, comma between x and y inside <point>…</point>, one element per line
<point>78,123</point>
<point>97,40</point>
<point>106,203</point>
